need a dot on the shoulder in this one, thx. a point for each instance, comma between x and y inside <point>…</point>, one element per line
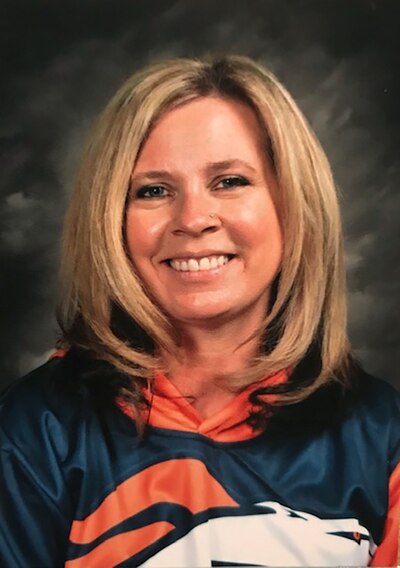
<point>368,413</point>
<point>45,406</point>
<point>377,400</point>
<point>376,413</point>
<point>40,389</point>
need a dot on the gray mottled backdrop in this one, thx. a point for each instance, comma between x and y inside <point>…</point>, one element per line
<point>63,59</point>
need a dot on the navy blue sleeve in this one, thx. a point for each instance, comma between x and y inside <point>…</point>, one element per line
<point>35,511</point>
<point>33,530</point>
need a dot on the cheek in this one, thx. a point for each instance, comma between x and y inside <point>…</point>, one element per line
<point>260,232</point>
<point>143,234</point>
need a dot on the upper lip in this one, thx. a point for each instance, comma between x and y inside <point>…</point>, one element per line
<point>199,254</point>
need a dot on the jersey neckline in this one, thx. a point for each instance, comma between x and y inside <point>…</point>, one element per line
<point>171,410</point>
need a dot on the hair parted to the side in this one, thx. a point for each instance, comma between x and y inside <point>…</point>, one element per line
<point>98,284</point>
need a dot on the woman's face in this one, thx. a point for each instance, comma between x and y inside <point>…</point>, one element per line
<point>202,230</point>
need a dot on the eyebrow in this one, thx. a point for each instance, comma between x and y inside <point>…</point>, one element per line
<point>217,167</point>
<point>151,174</point>
<point>211,168</point>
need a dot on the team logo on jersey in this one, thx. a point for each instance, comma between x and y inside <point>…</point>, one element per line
<point>175,513</point>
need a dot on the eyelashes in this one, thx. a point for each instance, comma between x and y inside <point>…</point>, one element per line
<point>158,191</point>
<point>151,192</point>
<point>229,182</point>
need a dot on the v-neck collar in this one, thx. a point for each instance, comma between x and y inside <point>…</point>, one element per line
<point>171,410</point>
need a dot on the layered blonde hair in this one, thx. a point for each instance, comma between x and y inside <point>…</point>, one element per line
<point>98,283</point>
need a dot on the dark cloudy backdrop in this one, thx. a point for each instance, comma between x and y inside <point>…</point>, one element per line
<point>63,59</point>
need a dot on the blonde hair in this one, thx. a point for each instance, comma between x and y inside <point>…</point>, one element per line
<point>308,311</point>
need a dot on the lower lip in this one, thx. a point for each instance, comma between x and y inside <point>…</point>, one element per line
<point>200,275</point>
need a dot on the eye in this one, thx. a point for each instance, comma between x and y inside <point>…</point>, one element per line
<point>151,192</point>
<point>232,181</point>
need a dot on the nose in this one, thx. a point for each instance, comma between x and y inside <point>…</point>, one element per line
<point>195,213</point>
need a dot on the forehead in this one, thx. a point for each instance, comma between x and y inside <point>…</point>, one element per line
<point>207,128</point>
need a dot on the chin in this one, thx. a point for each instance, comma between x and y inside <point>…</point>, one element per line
<point>188,316</point>
<point>206,314</point>
<point>197,311</point>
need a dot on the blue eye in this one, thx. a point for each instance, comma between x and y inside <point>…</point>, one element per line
<point>151,192</point>
<point>233,181</point>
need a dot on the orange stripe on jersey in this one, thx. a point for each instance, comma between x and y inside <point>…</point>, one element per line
<point>122,546</point>
<point>170,481</point>
<point>387,553</point>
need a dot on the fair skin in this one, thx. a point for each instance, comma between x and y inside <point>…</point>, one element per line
<point>211,273</point>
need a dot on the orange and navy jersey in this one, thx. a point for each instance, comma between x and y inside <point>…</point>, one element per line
<point>79,488</point>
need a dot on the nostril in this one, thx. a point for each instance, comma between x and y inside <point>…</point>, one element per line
<point>194,230</point>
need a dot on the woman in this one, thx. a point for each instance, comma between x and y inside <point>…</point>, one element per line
<point>205,409</point>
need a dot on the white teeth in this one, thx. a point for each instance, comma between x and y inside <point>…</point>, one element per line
<point>204,264</point>
<point>194,265</point>
<point>221,260</point>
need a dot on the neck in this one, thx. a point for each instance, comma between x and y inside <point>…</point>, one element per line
<point>207,351</point>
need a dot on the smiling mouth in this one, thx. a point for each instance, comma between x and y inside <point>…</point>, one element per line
<point>200,264</point>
